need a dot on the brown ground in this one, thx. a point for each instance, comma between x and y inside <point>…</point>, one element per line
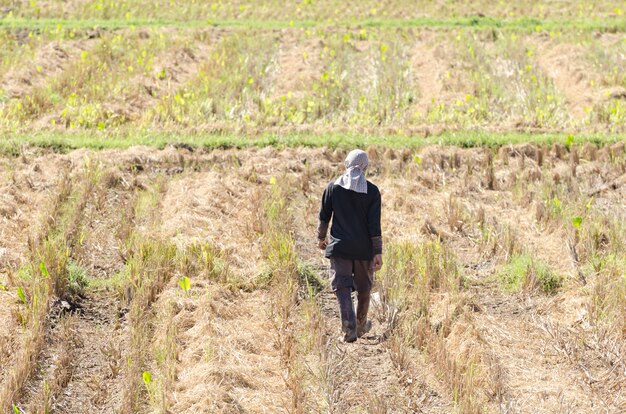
<point>544,346</point>
<point>428,69</point>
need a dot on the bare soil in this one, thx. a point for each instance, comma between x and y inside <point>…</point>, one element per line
<point>428,68</point>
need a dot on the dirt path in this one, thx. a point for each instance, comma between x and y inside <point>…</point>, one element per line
<point>97,382</point>
<point>366,377</point>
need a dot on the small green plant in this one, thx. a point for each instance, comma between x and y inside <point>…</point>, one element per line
<point>525,273</point>
<point>184,284</point>
<point>555,208</point>
<point>77,278</point>
<point>20,294</point>
<point>43,269</point>
<point>147,378</point>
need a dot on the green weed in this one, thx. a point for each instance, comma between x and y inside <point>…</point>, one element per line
<point>412,272</point>
<point>525,273</point>
<point>78,279</point>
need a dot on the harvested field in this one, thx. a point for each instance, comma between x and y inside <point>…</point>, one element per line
<point>461,320</point>
<point>161,171</point>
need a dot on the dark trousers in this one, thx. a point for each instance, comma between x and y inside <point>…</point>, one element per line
<point>355,274</point>
<point>347,275</point>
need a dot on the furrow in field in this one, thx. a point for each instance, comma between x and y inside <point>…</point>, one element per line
<point>97,381</point>
<point>365,376</point>
<point>78,369</point>
<point>428,68</point>
<point>566,65</point>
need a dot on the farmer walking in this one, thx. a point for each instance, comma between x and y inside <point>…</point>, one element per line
<point>355,246</point>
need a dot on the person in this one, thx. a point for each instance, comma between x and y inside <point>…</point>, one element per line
<point>355,245</point>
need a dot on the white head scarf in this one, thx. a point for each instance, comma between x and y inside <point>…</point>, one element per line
<point>354,178</point>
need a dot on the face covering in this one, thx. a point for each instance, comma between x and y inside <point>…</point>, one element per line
<point>354,178</point>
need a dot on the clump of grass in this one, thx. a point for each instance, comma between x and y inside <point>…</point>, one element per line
<point>77,278</point>
<point>525,273</point>
<point>148,272</point>
<point>202,259</point>
<point>412,276</point>
<point>455,214</point>
<point>412,272</point>
<point>608,297</point>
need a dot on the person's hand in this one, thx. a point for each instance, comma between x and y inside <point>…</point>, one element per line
<point>322,244</point>
<point>377,262</point>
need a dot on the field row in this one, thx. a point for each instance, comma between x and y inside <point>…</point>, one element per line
<point>308,80</point>
<point>328,10</point>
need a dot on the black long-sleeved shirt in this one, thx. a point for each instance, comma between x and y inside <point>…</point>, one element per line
<point>355,222</point>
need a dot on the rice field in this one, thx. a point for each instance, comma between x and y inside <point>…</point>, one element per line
<point>161,168</point>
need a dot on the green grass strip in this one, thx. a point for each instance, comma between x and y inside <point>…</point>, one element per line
<point>62,142</point>
<point>529,24</point>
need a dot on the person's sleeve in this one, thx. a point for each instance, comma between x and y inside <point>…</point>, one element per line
<point>326,213</point>
<point>373,223</point>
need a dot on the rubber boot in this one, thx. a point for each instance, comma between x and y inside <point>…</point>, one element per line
<point>346,310</point>
<point>363,325</point>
